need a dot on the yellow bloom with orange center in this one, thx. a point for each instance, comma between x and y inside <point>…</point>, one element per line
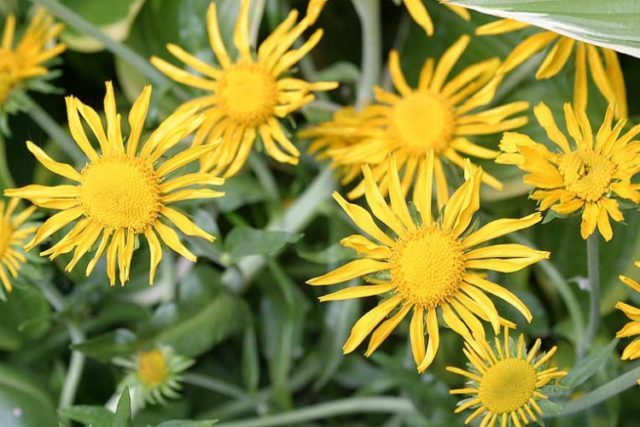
<point>440,115</point>
<point>631,329</point>
<point>505,382</point>
<point>582,176</point>
<point>25,60</point>
<point>13,234</point>
<point>248,96</point>
<point>607,75</point>
<point>428,265</point>
<point>419,13</point>
<point>125,191</point>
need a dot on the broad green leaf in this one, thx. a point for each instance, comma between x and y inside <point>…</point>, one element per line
<point>120,342</point>
<point>23,402</point>
<point>250,359</point>
<point>239,191</point>
<point>113,17</point>
<point>94,416</point>
<point>203,316</point>
<point>589,365</point>
<point>123,410</point>
<point>611,24</point>
<point>24,316</point>
<point>187,423</point>
<point>331,254</point>
<point>244,241</point>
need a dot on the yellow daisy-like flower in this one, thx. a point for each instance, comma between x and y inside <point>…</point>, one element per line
<point>430,265</point>
<point>25,60</point>
<point>585,176</point>
<point>437,115</point>
<point>125,191</point>
<point>13,234</point>
<point>248,96</point>
<point>419,13</point>
<point>631,329</point>
<point>505,381</point>
<point>606,75</point>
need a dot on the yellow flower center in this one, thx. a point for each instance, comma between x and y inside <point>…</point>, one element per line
<point>421,121</point>
<point>427,266</point>
<point>120,192</point>
<point>587,174</point>
<point>247,94</point>
<point>6,232</point>
<point>507,385</point>
<point>152,368</point>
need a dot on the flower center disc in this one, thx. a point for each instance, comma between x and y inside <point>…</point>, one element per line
<point>422,121</point>
<point>427,266</point>
<point>507,385</point>
<point>247,94</point>
<point>587,174</point>
<point>120,192</point>
<point>152,368</point>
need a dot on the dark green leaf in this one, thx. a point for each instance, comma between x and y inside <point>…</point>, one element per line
<point>123,410</point>
<point>23,401</point>
<point>120,342</point>
<point>187,423</point>
<point>94,416</point>
<point>587,367</point>
<point>244,241</point>
<point>24,316</point>
<point>250,359</point>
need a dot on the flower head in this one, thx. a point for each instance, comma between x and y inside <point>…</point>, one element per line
<point>581,176</point>
<point>154,375</point>
<point>631,329</point>
<point>123,192</point>
<point>248,96</point>
<point>13,233</point>
<point>606,75</point>
<point>437,115</point>
<point>419,13</point>
<point>428,265</point>
<point>25,60</point>
<point>505,381</point>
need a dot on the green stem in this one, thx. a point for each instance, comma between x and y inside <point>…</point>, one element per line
<point>369,14</point>
<point>6,180</point>
<point>264,175</point>
<point>353,405</point>
<point>560,284</point>
<point>294,219</point>
<point>593,268</point>
<point>55,132</point>
<point>600,394</point>
<point>76,364</point>
<point>140,63</point>
<point>214,385</point>
<point>256,19</point>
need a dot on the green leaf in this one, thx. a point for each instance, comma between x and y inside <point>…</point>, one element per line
<point>244,241</point>
<point>120,342</point>
<point>113,17</point>
<point>203,316</point>
<point>240,191</point>
<point>589,365</point>
<point>123,410</point>
<point>250,359</point>
<point>25,316</point>
<point>23,401</point>
<point>331,254</point>
<point>94,416</point>
<point>187,423</point>
<point>611,24</point>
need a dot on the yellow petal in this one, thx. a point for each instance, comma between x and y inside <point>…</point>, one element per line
<point>351,270</point>
<point>357,292</point>
<point>368,322</point>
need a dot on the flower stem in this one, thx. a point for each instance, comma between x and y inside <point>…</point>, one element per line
<point>215,385</point>
<point>369,13</point>
<point>600,394</point>
<point>6,180</point>
<point>55,132</point>
<point>593,267</point>
<point>140,63</point>
<point>353,405</point>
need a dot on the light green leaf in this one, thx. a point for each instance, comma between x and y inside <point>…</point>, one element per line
<point>24,316</point>
<point>120,342</point>
<point>94,416</point>
<point>589,365</point>
<point>123,410</point>
<point>245,241</point>
<point>611,24</point>
<point>113,17</point>
<point>23,401</point>
<point>187,423</point>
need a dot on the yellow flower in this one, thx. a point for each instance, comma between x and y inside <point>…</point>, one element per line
<point>248,96</point>
<point>13,233</point>
<point>125,191</point>
<point>26,59</point>
<point>436,115</point>
<point>428,265</point>
<point>631,329</point>
<point>607,76</point>
<point>582,177</point>
<point>419,13</point>
<point>153,375</point>
<point>505,382</point>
